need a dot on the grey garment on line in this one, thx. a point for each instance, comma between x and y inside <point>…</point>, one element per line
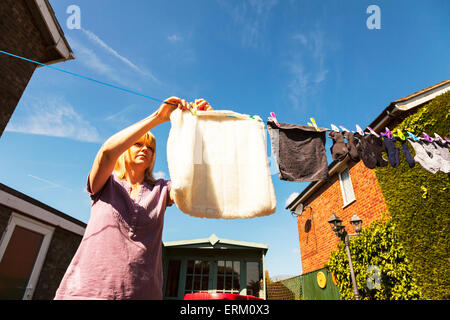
<point>424,157</point>
<point>299,152</point>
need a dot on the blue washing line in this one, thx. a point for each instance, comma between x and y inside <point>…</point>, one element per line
<point>87,78</point>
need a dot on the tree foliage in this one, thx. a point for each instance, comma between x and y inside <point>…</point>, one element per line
<point>381,267</point>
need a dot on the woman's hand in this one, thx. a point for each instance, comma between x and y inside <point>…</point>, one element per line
<point>165,110</point>
<point>203,105</point>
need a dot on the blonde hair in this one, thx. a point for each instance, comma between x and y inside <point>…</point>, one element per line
<point>120,167</point>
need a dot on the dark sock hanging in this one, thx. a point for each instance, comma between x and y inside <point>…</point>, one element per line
<point>351,146</point>
<point>365,152</point>
<point>338,149</point>
<point>392,152</point>
<point>407,154</point>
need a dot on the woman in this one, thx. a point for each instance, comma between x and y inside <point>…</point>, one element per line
<point>120,254</point>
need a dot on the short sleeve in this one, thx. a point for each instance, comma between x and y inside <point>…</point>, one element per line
<point>168,184</point>
<point>95,196</point>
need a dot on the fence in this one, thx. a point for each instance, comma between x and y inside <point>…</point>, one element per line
<point>287,289</point>
<point>304,287</point>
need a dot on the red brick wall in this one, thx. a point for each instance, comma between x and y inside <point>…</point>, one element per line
<point>317,244</point>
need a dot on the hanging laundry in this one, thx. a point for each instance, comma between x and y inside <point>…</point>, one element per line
<point>351,145</point>
<point>442,147</point>
<point>218,165</point>
<point>407,154</point>
<point>392,151</point>
<point>425,158</point>
<point>338,150</point>
<point>299,152</point>
<point>371,150</point>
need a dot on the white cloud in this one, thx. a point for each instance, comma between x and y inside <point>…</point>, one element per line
<point>88,58</point>
<point>306,66</point>
<point>53,117</point>
<point>50,184</point>
<point>174,38</point>
<point>251,17</point>
<point>291,198</point>
<point>159,175</point>
<point>96,39</point>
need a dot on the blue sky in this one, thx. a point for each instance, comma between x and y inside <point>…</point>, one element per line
<point>299,59</point>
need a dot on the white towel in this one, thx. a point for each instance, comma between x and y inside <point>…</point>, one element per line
<point>218,165</point>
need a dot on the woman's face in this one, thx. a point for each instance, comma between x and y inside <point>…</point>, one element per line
<point>141,154</point>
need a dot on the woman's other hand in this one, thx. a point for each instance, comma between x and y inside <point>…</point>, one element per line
<point>166,109</point>
<point>203,105</point>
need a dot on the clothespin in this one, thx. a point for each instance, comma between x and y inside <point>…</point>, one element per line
<point>343,129</point>
<point>359,130</point>
<point>274,118</point>
<point>400,134</point>
<point>412,136</point>
<point>373,132</point>
<point>336,129</point>
<point>310,124</point>
<point>427,137</point>
<point>447,139</point>
<point>314,124</point>
<point>388,133</point>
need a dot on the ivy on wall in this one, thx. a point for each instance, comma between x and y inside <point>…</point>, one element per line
<point>419,202</point>
<point>381,267</point>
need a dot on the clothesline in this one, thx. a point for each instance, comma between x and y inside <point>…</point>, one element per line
<point>272,118</point>
<point>300,154</point>
<point>86,78</point>
<point>386,133</point>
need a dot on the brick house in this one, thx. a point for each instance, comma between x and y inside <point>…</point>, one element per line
<point>28,28</point>
<point>36,246</point>
<point>352,188</point>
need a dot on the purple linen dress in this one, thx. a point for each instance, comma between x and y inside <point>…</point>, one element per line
<point>120,254</point>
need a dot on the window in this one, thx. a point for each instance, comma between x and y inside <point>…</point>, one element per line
<point>228,276</point>
<point>346,187</point>
<point>254,277</point>
<point>197,276</point>
<point>22,253</point>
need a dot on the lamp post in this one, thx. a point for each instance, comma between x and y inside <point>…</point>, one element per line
<point>339,229</point>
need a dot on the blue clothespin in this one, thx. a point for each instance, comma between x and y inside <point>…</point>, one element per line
<point>412,136</point>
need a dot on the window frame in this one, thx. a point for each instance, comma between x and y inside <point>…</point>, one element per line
<point>33,225</point>
<point>347,198</point>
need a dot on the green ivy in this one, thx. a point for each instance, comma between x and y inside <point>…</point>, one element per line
<point>381,268</point>
<point>418,204</point>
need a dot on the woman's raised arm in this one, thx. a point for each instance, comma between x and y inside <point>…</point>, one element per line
<point>118,143</point>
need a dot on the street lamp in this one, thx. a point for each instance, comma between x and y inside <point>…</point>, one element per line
<point>339,229</point>
<point>356,223</point>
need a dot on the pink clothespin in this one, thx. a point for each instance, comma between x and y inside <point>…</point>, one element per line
<point>373,132</point>
<point>343,128</point>
<point>388,133</point>
<point>427,137</point>
<point>274,118</point>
